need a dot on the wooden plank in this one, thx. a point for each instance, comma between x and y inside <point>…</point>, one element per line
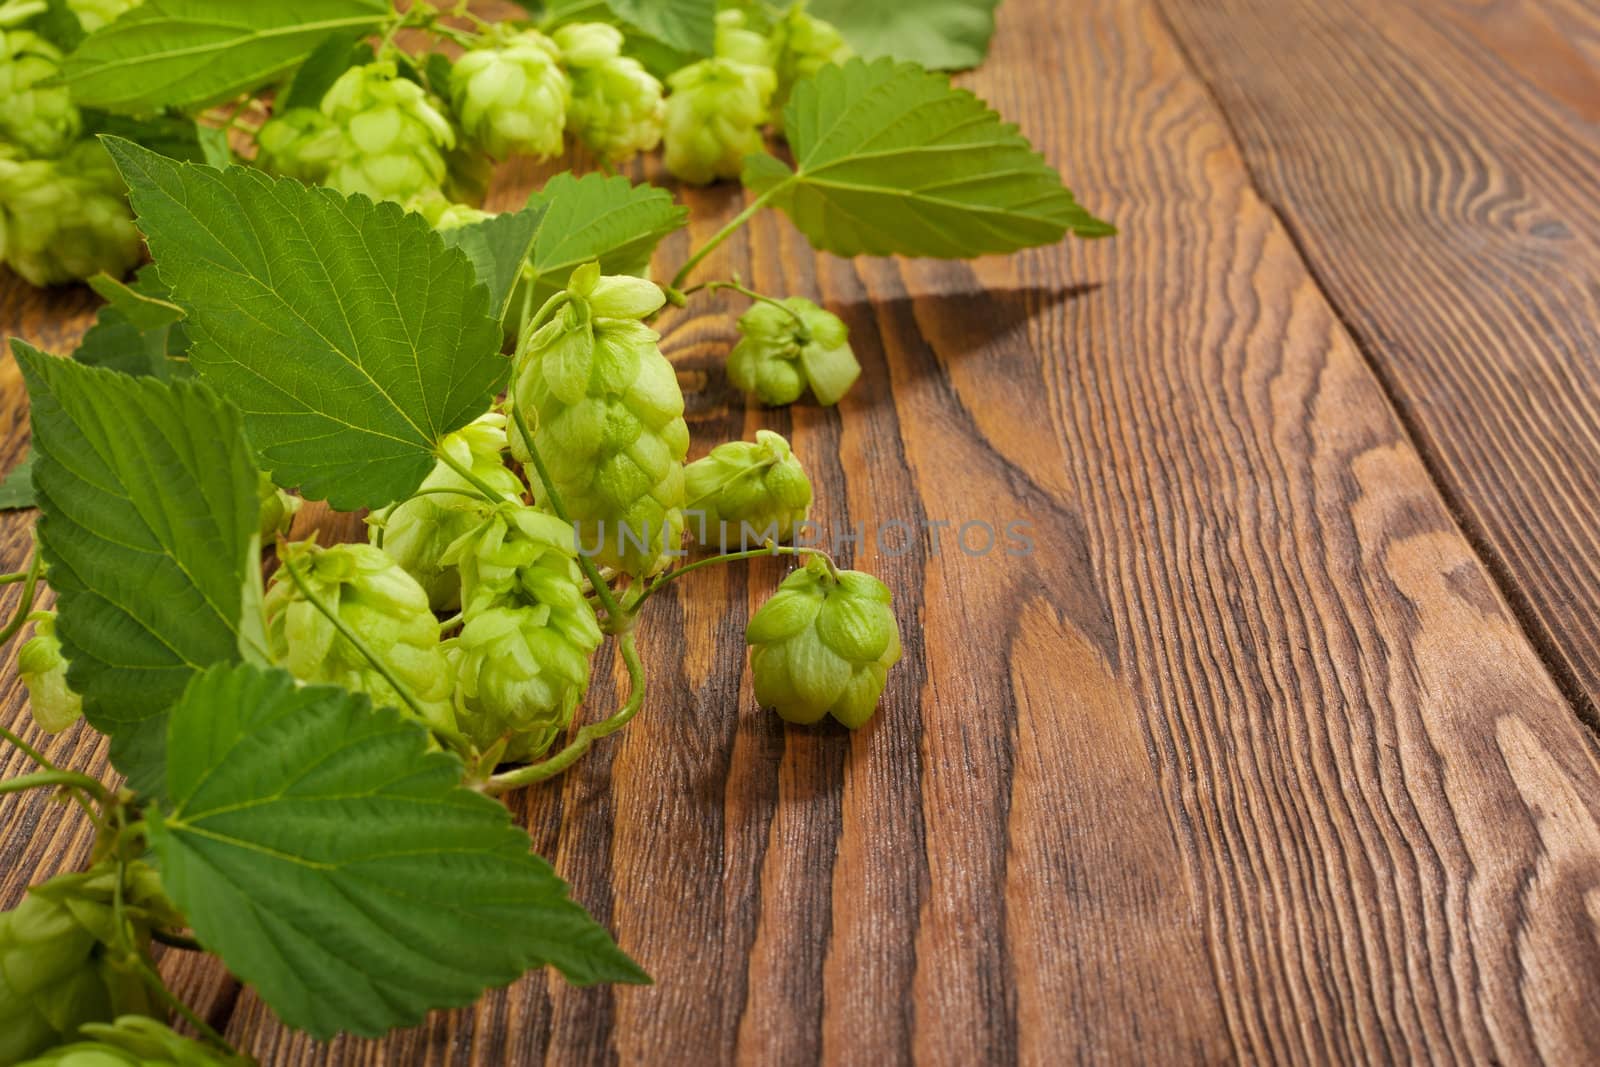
<point>1247,761</point>
<point>1439,164</point>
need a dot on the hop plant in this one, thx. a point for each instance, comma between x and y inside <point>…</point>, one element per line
<point>788,345</point>
<point>94,14</point>
<point>382,604</point>
<point>718,105</point>
<point>417,533</point>
<point>37,117</point>
<point>133,1041</point>
<point>802,44</point>
<point>617,108</point>
<point>607,418</point>
<point>393,135</point>
<point>511,95</point>
<point>56,973</point>
<point>301,143</point>
<point>823,645</point>
<point>43,670</point>
<point>66,219</point>
<point>754,488</point>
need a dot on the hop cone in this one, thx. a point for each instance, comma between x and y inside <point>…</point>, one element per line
<point>617,109</point>
<point>278,508</point>
<point>718,105</point>
<point>382,604</point>
<point>784,349</point>
<point>301,143</point>
<point>133,1041</point>
<point>746,491</point>
<point>66,219</point>
<point>824,645</point>
<point>38,118</point>
<point>416,533</point>
<point>801,45</point>
<point>511,96</point>
<point>55,972</point>
<point>93,14</point>
<point>43,669</point>
<point>607,417</point>
<point>393,137</point>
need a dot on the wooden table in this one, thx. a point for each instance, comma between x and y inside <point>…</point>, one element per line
<point>1279,746</point>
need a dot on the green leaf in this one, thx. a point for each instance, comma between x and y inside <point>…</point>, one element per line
<point>938,34</point>
<point>350,335</point>
<point>892,160</point>
<point>498,247</point>
<point>595,217</point>
<point>689,25</point>
<point>145,309</point>
<point>171,135</point>
<point>338,865</point>
<point>139,330</point>
<point>16,488</point>
<point>190,54</point>
<point>148,509</point>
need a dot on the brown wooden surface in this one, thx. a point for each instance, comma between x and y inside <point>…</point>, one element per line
<point>1255,758</point>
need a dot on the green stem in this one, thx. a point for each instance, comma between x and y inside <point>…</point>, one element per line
<point>538,772</point>
<point>13,578</point>
<point>723,234</point>
<point>739,287</point>
<point>27,749</point>
<point>25,606</point>
<point>616,618</point>
<point>178,941</point>
<point>41,779</point>
<point>173,1001</point>
<point>355,640</point>
<point>769,549</point>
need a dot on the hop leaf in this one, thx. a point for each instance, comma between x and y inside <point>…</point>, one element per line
<point>823,645</point>
<point>747,489</point>
<point>512,95</point>
<point>607,417</point>
<point>382,604</point>
<point>789,345</point>
<point>393,136</point>
<point>43,669</point>
<point>56,973</point>
<point>617,108</point>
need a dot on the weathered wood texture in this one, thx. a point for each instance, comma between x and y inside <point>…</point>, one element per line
<point>1439,166</point>
<point>1248,761</point>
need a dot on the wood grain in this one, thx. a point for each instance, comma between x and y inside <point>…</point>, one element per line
<point>1441,175</point>
<point>1249,760</point>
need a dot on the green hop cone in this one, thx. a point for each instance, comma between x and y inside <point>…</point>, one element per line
<point>278,508</point>
<point>134,1041</point>
<point>43,670</point>
<point>607,417</point>
<point>511,95</point>
<point>393,135</point>
<point>417,533</point>
<point>301,143</point>
<point>385,608</point>
<point>823,645</point>
<point>718,105</point>
<point>95,14</point>
<point>36,116</point>
<point>66,219</point>
<point>56,973</point>
<point>746,492</point>
<point>801,45</point>
<point>617,107</point>
<point>786,346</point>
